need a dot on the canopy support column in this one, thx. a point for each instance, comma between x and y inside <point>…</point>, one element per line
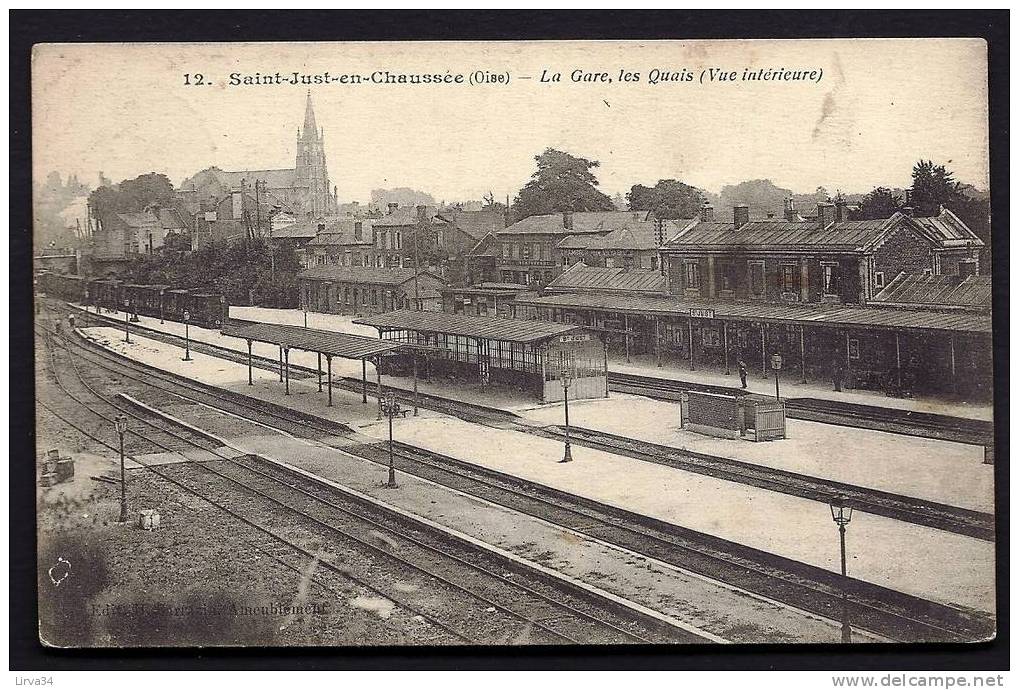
<point>417,402</point>
<point>319,371</point>
<point>364,381</point>
<point>952,343</point>
<point>658,342</point>
<point>281,364</point>
<point>286,355</point>
<point>689,322</point>
<point>803,356</point>
<point>329,368</point>
<point>250,382</point>
<point>725,345</point>
<point>626,336</point>
<point>764,354</point>
<point>378,383</point>
<point>898,362</point>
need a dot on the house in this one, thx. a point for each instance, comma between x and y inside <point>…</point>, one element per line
<point>830,259</point>
<point>527,249</point>
<point>407,236</point>
<point>368,290</point>
<point>486,299</point>
<point>124,235</point>
<point>345,241</point>
<point>634,245</point>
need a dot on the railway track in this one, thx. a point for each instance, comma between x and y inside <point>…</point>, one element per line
<point>878,610</point>
<point>909,422</point>
<point>483,597</point>
<point>971,523</point>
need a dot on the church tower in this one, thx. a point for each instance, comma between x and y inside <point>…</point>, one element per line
<point>310,171</point>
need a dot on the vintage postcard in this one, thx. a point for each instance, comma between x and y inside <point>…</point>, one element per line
<point>513,343</point>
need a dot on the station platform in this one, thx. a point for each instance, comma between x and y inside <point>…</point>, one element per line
<point>921,561</point>
<point>645,365</point>
<point>719,610</point>
<point>791,387</point>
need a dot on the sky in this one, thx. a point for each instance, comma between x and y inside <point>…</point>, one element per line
<point>876,107</point>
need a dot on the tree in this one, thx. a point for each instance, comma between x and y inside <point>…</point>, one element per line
<point>673,199</point>
<point>881,202</point>
<point>933,187</point>
<point>561,183</point>
<point>639,198</point>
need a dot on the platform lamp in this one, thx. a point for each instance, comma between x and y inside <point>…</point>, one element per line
<point>842,513</point>
<point>127,325</point>
<point>120,423</point>
<point>187,336</point>
<point>776,366</point>
<point>391,408</point>
<point>564,376</point>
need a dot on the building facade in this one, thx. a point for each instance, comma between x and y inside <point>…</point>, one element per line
<point>368,290</point>
<point>304,190</point>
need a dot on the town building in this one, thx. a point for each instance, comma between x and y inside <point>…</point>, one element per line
<point>634,245</point>
<point>345,241</point>
<point>368,290</point>
<point>526,250</point>
<point>122,236</point>
<point>304,190</point>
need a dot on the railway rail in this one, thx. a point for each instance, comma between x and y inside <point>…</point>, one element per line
<point>909,422</point>
<point>884,612</point>
<point>484,602</point>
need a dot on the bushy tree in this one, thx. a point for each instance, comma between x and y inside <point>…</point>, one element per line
<point>562,182</point>
<point>881,202</point>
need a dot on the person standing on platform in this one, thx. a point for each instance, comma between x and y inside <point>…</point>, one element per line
<point>742,365</point>
<point>837,375</point>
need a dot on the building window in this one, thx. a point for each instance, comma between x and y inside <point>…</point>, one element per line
<point>756,269</point>
<point>346,296</point>
<point>382,239</point>
<point>610,262</point>
<point>505,250</point>
<point>879,279</point>
<point>398,239</point>
<point>726,277</point>
<point>320,260</point>
<point>854,348</point>
<point>831,278</point>
<point>789,277</point>
<point>693,275</point>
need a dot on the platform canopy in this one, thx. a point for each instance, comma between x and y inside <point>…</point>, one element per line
<point>332,343</point>
<point>487,327</point>
<point>828,315</point>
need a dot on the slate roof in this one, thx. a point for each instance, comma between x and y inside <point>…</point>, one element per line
<point>490,327</point>
<point>940,290</point>
<point>344,345</point>
<point>339,231</point>
<point>583,278</point>
<point>849,235</point>
<point>754,312</point>
<point>406,215</point>
<point>948,229</point>
<point>362,274</point>
<point>634,236</point>
<point>477,224</point>
<point>583,222</point>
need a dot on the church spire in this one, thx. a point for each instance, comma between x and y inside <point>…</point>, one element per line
<point>310,128</point>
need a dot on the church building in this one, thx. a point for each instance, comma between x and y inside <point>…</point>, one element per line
<point>303,191</point>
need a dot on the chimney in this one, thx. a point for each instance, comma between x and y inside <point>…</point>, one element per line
<point>392,206</point>
<point>422,212</point>
<point>740,215</point>
<point>771,216</point>
<point>825,214</point>
<point>908,210</point>
<point>789,209</point>
<point>568,220</point>
<point>841,209</point>
<point>707,213</point>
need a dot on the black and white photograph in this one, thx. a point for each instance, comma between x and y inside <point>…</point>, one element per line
<point>416,344</point>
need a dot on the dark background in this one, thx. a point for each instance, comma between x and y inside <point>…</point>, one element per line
<point>29,27</point>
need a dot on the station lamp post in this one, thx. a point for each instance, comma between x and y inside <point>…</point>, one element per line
<point>127,325</point>
<point>305,316</point>
<point>120,423</point>
<point>187,336</point>
<point>842,513</point>
<point>776,366</point>
<point>391,408</point>
<point>564,376</point>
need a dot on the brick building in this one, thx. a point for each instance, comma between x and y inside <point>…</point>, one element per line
<point>368,290</point>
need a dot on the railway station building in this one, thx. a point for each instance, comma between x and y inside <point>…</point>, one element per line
<point>368,290</point>
<point>534,356</point>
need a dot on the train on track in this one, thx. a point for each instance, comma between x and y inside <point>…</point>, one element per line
<point>205,308</point>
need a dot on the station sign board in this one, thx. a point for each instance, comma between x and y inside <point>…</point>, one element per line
<point>577,338</point>
<point>702,313</point>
